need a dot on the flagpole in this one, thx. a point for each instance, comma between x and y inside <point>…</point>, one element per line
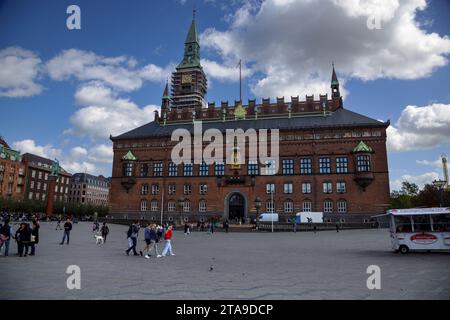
<point>240,81</point>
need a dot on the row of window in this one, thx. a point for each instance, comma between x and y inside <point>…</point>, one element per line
<point>288,188</point>
<point>42,196</point>
<point>10,189</point>
<point>38,185</point>
<point>253,168</point>
<point>288,206</point>
<point>40,175</point>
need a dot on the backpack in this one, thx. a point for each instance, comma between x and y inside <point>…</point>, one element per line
<point>130,231</point>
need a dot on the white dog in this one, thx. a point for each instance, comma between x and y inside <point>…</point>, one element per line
<point>99,239</point>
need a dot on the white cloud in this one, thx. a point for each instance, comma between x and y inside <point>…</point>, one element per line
<point>76,167</point>
<point>434,163</point>
<point>78,152</point>
<point>94,160</point>
<point>223,72</point>
<point>103,113</point>
<point>420,128</point>
<point>101,153</point>
<point>292,43</point>
<point>29,146</point>
<point>19,70</point>
<point>420,180</point>
<point>155,73</point>
<point>119,72</point>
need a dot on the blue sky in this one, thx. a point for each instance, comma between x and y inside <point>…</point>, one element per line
<point>59,83</point>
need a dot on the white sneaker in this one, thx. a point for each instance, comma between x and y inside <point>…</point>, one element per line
<point>159,256</point>
<point>147,256</point>
<point>172,254</point>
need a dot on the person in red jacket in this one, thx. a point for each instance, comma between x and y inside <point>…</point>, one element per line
<point>168,247</point>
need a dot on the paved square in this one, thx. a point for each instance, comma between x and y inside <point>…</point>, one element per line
<point>303,265</point>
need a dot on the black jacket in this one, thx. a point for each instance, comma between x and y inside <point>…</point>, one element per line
<point>24,235</point>
<point>35,233</point>
<point>67,226</point>
<point>6,231</point>
<point>105,230</point>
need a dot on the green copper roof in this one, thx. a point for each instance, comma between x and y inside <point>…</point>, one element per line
<point>362,147</point>
<point>191,57</point>
<point>129,156</point>
<point>192,36</point>
<point>10,154</point>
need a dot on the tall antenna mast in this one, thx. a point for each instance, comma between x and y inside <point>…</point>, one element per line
<point>444,167</point>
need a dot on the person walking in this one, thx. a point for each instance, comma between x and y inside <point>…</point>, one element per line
<point>154,240</point>
<point>211,227</point>
<point>159,233</point>
<point>134,235</point>
<point>34,237</point>
<point>226,225</point>
<point>58,223</point>
<point>337,227</point>
<point>105,231</point>
<point>6,233</point>
<point>147,240</point>
<point>23,236</point>
<point>168,245</point>
<point>186,228</point>
<point>67,229</point>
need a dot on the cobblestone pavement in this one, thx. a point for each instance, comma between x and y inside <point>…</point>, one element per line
<point>302,265</point>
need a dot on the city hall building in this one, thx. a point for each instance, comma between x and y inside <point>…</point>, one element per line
<point>330,159</point>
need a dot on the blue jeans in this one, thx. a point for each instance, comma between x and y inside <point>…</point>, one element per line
<point>6,243</point>
<point>66,234</point>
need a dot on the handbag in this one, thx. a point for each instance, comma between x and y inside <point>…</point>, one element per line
<point>33,238</point>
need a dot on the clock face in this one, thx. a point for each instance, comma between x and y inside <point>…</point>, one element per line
<point>186,78</point>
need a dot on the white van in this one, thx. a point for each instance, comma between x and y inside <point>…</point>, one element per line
<point>309,217</point>
<point>268,217</point>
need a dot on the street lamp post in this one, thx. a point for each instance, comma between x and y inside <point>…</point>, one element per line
<point>272,205</point>
<point>180,204</point>
<point>257,206</point>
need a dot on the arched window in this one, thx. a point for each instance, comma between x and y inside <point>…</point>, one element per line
<point>187,206</point>
<point>270,206</point>
<point>342,206</point>
<point>143,205</point>
<point>171,206</point>
<point>202,206</point>
<point>154,206</point>
<point>307,206</point>
<point>328,206</point>
<point>288,206</point>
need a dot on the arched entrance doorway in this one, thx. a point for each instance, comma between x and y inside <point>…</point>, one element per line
<point>236,207</point>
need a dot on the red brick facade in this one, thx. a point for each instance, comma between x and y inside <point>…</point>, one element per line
<point>311,132</point>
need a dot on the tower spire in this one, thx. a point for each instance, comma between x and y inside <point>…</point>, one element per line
<point>334,83</point>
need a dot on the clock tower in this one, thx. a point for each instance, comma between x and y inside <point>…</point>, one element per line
<point>189,81</point>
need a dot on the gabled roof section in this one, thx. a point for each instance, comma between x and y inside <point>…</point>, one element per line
<point>362,148</point>
<point>129,156</point>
